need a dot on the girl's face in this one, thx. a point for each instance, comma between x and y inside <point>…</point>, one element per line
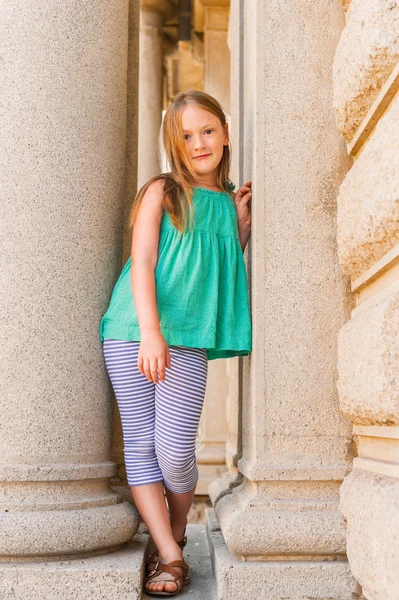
<point>205,137</point>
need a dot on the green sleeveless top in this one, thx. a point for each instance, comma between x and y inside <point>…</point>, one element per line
<point>200,280</point>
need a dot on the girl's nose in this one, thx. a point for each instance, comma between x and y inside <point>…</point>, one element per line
<point>198,143</point>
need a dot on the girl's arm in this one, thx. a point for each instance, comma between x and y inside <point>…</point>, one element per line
<point>244,231</point>
<point>145,241</point>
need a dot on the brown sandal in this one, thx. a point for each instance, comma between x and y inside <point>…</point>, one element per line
<point>154,558</point>
<point>179,580</point>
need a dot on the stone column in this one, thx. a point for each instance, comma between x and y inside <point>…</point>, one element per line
<point>366,101</point>
<point>152,14</point>
<point>63,129</point>
<point>216,51</point>
<point>231,477</point>
<point>282,526</point>
<point>212,19</point>
<point>213,429</point>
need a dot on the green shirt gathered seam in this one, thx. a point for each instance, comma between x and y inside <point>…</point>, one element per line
<point>228,235</point>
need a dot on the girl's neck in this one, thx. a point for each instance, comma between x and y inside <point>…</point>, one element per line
<point>209,186</point>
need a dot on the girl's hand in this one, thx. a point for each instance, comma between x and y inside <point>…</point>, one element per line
<point>243,205</point>
<point>154,355</point>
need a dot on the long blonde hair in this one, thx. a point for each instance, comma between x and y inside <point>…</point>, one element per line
<point>179,182</point>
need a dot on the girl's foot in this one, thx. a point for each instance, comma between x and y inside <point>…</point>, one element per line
<point>154,557</point>
<point>169,578</point>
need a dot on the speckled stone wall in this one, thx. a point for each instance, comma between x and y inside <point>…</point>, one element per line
<point>367,52</point>
<point>63,153</point>
<point>295,446</point>
<point>366,102</point>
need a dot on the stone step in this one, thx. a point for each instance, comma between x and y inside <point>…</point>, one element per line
<point>276,579</point>
<point>114,576</point>
<point>197,555</point>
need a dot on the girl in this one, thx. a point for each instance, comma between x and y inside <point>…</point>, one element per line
<point>181,300</point>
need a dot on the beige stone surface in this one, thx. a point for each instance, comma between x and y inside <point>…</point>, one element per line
<point>114,576</point>
<point>277,579</point>
<point>300,300</point>
<point>63,128</point>
<point>217,55</point>
<point>366,54</point>
<point>232,411</point>
<point>132,112</point>
<point>282,526</point>
<point>52,533</point>
<point>184,70</point>
<point>346,4</point>
<point>290,407</point>
<point>213,428</point>
<point>163,7</point>
<point>196,514</point>
<point>234,365</point>
<point>368,201</point>
<point>370,504</point>
<point>368,362</point>
<point>150,94</point>
<point>208,473</point>
<point>367,237</point>
<point>282,518</point>
<point>378,449</point>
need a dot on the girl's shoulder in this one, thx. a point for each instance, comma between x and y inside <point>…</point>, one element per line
<point>153,197</point>
<point>156,186</point>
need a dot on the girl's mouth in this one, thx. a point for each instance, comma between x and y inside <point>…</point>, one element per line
<point>202,156</point>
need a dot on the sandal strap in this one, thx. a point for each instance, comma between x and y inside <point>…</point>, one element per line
<point>181,545</point>
<point>152,556</point>
<point>177,581</point>
<point>180,563</point>
<point>168,568</point>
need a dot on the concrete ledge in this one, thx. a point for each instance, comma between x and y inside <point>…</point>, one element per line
<point>276,580</point>
<point>114,576</point>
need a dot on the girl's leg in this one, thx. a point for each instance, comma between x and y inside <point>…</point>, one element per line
<point>135,396</point>
<point>179,400</point>
<point>178,406</point>
<point>150,502</point>
<point>179,505</point>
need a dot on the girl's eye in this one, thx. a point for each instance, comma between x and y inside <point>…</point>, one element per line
<point>187,135</point>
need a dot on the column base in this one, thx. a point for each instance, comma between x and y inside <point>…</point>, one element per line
<point>222,486</point>
<point>57,534</point>
<point>276,579</point>
<point>207,475</point>
<point>296,520</point>
<point>115,576</point>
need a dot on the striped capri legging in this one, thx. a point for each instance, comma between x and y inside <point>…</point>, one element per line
<point>159,421</point>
